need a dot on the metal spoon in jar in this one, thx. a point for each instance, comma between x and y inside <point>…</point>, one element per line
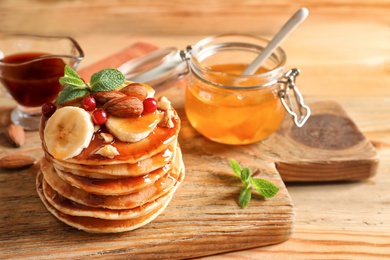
<point>163,65</point>
<point>288,27</point>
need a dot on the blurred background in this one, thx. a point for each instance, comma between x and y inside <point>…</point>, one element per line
<point>340,38</point>
<point>180,17</point>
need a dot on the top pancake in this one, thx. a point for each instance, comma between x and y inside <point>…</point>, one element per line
<point>156,142</point>
<point>120,170</point>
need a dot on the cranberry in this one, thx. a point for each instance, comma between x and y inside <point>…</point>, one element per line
<point>99,116</point>
<point>48,109</point>
<point>150,105</point>
<point>88,103</point>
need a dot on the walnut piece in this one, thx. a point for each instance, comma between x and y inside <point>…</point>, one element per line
<point>165,105</point>
<point>108,151</point>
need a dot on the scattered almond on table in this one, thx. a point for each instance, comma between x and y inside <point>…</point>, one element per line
<point>15,135</point>
<point>16,161</point>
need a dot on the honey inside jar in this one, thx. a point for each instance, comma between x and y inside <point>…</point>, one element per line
<point>233,116</point>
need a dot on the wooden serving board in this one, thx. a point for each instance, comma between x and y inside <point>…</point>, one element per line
<point>203,218</point>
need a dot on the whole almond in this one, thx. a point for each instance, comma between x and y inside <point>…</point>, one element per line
<point>135,90</point>
<point>16,161</point>
<point>124,107</point>
<point>104,96</point>
<point>15,135</point>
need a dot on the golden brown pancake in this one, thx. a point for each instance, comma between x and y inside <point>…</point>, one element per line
<point>132,200</point>
<point>156,142</point>
<point>120,186</point>
<point>120,170</point>
<point>72,208</point>
<point>120,189</point>
<point>96,225</point>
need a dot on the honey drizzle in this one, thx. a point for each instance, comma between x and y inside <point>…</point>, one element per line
<point>157,141</point>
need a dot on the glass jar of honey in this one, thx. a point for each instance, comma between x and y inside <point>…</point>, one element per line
<point>228,107</point>
<point>221,103</point>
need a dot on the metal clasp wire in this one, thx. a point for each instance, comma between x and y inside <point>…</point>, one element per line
<point>186,55</point>
<point>303,110</point>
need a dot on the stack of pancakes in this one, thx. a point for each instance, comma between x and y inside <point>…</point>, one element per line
<point>99,194</point>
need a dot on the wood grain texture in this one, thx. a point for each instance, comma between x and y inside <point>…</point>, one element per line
<point>343,52</point>
<point>202,219</point>
<point>331,219</point>
<point>329,147</point>
<point>341,44</point>
<point>175,17</point>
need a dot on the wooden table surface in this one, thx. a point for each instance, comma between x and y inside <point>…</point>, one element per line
<point>343,51</point>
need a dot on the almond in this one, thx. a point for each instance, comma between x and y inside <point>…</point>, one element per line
<point>124,107</point>
<point>15,135</point>
<point>16,161</point>
<point>104,96</point>
<point>135,90</point>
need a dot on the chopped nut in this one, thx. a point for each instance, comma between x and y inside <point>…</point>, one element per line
<point>96,128</point>
<point>108,138</point>
<point>108,151</point>
<point>166,121</point>
<point>164,103</point>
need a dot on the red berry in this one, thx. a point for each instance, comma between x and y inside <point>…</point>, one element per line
<point>48,109</point>
<point>99,116</point>
<point>88,103</point>
<point>150,105</point>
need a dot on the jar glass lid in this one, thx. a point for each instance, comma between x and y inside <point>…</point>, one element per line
<point>155,68</point>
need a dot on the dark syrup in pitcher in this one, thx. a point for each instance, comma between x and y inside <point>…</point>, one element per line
<point>33,83</point>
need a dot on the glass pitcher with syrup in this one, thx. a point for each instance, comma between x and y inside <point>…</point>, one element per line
<point>30,67</point>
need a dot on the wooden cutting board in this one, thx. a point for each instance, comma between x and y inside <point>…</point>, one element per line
<point>203,218</point>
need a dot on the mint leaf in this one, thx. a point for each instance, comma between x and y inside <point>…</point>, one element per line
<point>71,78</point>
<point>245,176</point>
<point>69,72</point>
<point>235,167</point>
<point>73,82</point>
<point>69,93</point>
<point>266,188</point>
<point>106,80</point>
<point>244,197</point>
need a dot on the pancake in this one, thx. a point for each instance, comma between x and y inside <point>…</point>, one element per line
<point>120,170</point>
<point>114,171</point>
<point>156,142</point>
<point>120,186</point>
<point>96,225</point>
<point>72,208</point>
<point>132,200</point>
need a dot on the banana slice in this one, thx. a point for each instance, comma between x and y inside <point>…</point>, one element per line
<point>133,129</point>
<point>67,132</point>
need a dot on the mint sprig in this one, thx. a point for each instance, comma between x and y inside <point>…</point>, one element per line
<point>69,93</point>
<point>75,87</point>
<point>265,188</point>
<point>71,78</point>
<point>107,79</point>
